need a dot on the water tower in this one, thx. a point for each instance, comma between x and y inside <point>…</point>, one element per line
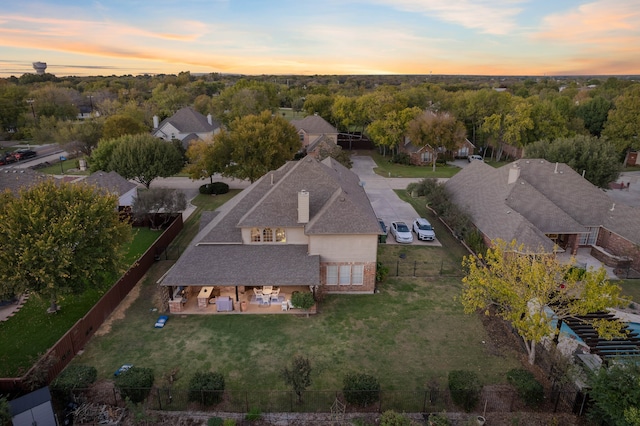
<point>40,67</point>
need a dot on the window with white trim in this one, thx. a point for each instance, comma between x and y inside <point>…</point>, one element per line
<point>332,274</point>
<point>267,235</point>
<point>590,238</point>
<point>255,235</point>
<point>281,236</point>
<point>357,274</point>
<point>345,275</point>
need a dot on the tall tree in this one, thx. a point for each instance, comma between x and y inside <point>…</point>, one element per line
<point>521,285</point>
<point>80,136</point>
<point>510,124</point>
<point>389,131</point>
<point>320,104</point>
<point>203,161</point>
<point>246,97</point>
<point>594,113</point>
<point>59,238</point>
<point>120,124</point>
<point>597,158</point>
<point>255,144</point>
<point>441,131</point>
<point>140,157</point>
<point>623,123</point>
<point>158,205</point>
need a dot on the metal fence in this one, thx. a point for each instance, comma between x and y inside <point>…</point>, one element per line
<point>425,401</point>
<point>423,269</point>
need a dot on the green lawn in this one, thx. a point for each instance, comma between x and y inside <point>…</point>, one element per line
<point>67,167</point>
<point>32,331</point>
<point>412,332</point>
<point>631,288</point>
<point>388,169</point>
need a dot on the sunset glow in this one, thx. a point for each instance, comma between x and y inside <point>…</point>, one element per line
<point>485,37</point>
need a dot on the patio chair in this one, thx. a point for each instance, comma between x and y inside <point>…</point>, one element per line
<point>274,294</point>
<point>266,299</point>
<point>267,288</point>
<point>257,292</point>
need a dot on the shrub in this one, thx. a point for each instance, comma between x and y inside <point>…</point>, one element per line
<point>529,389</point>
<point>438,419</point>
<point>214,188</point>
<point>401,158</point>
<point>215,421</point>
<point>361,389</point>
<point>73,377</point>
<point>302,300</point>
<point>253,414</point>
<point>465,388</point>
<point>206,387</point>
<point>135,383</point>
<point>391,418</point>
<point>381,272</point>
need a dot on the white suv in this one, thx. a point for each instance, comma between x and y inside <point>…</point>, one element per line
<point>423,229</point>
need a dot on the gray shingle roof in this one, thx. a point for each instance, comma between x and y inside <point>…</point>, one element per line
<point>110,181</point>
<point>16,179</point>
<point>314,124</point>
<point>545,198</point>
<point>337,205</point>
<point>252,265</point>
<point>189,120</point>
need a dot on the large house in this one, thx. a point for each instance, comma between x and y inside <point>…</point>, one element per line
<point>312,128</point>
<point>307,225</point>
<point>422,155</point>
<point>186,125</point>
<point>547,206</point>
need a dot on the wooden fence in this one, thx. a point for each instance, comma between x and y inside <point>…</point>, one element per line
<point>65,349</point>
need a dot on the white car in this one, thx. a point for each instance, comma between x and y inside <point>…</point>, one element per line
<point>401,232</point>
<point>423,229</point>
<point>474,157</point>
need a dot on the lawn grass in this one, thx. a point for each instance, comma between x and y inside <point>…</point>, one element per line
<point>31,331</point>
<point>411,332</point>
<point>631,288</point>
<point>388,169</point>
<point>69,167</point>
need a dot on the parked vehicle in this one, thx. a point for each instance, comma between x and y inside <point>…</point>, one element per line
<point>401,232</point>
<point>474,157</point>
<point>423,229</point>
<point>6,158</point>
<point>23,154</point>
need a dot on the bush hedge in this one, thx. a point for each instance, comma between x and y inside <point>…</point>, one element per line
<point>361,389</point>
<point>529,389</point>
<point>75,376</point>
<point>206,387</point>
<point>135,383</point>
<point>214,188</point>
<point>465,388</point>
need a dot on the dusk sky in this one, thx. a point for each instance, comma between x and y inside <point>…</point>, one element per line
<point>484,37</point>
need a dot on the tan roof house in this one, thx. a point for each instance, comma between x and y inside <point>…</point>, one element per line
<point>308,224</point>
<point>545,205</point>
<point>313,127</point>
<point>15,179</point>
<point>423,155</point>
<point>186,125</point>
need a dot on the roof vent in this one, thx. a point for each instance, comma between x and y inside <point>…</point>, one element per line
<point>556,169</point>
<point>612,207</point>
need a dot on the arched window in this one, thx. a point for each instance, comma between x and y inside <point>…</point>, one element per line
<point>255,235</point>
<point>281,236</point>
<point>267,235</point>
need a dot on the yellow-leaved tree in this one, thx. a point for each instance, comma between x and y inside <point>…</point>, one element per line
<point>522,287</point>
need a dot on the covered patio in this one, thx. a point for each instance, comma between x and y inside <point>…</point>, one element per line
<point>584,259</point>
<point>211,300</point>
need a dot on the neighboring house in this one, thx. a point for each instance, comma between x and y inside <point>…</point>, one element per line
<point>314,127</point>
<point>423,155</point>
<point>16,179</point>
<point>545,205</point>
<point>186,125</point>
<point>115,184</point>
<point>322,147</point>
<point>309,224</point>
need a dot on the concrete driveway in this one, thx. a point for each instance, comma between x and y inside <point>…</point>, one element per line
<point>385,202</point>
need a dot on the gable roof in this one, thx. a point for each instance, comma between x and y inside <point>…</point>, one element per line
<point>189,120</point>
<point>111,181</point>
<point>338,205</point>
<point>542,198</point>
<point>314,124</point>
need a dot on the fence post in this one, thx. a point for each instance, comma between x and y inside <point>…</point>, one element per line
<point>115,398</point>
<point>291,401</point>
<point>441,266</point>
<point>159,399</point>
<point>397,268</point>
<point>246,401</point>
<point>380,402</point>
<point>415,263</point>
<point>424,401</point>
